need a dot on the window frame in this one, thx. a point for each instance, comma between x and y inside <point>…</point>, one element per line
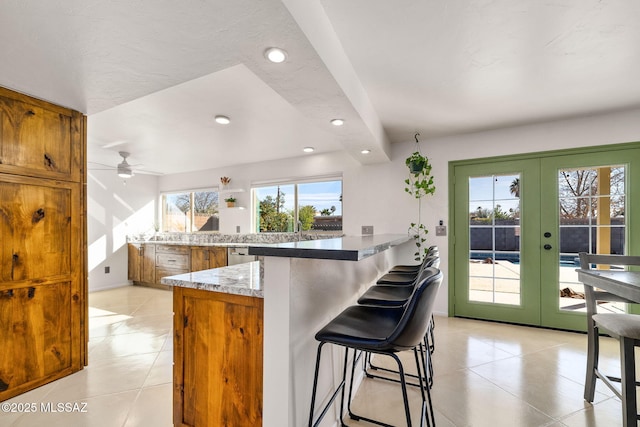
<point>191,192</point>
<point>255,220</point>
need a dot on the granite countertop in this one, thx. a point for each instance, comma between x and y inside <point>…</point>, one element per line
<point>346,248</point>
<point>178,243</point>
<point>240,279</point>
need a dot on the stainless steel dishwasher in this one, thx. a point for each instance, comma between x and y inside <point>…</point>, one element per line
<point>239,255</point>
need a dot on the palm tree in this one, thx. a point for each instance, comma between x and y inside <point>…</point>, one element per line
<point>514,188</point>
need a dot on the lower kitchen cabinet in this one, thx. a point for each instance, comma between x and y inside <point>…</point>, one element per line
<point>218,352</point>
<point>204,258</point>
<point>134,261</point>
<point>148,272</point>
<point>148,263</point>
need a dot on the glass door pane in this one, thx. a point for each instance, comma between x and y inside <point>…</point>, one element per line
<point>592,219</point>
<point>494,239</point>
<point>588,207</point>
<point>497,241</point>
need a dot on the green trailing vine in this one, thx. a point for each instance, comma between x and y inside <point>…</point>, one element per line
<point>419,184</point>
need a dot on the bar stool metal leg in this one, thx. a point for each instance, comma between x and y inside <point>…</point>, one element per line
<point>338,389</point>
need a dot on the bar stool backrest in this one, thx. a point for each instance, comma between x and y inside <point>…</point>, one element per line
<point>413,325</point>
<point>428,261</point>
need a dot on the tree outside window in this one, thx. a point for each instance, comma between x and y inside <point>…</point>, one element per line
<point>316,205</point>
<point>190,211</point>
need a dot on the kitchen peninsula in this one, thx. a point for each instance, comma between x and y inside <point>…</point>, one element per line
<point>272,315</point>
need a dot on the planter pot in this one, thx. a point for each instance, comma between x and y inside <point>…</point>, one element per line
<point>416,166</point>
<point>231,204</point>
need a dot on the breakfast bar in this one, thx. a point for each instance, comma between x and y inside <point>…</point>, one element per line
<point>280,305</point>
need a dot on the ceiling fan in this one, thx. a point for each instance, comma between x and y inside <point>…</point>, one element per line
<point>124,169</point>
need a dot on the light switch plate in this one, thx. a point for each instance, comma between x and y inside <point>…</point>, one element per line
<point>367,229</point>
<point>441,230</point>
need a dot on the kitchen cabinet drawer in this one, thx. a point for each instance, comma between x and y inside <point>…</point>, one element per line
<point>172,260</point>
<point>164,272</point>
<point>172,249</point>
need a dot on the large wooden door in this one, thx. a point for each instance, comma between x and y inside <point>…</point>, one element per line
<point>43,308</point>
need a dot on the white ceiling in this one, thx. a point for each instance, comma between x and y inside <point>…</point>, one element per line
<point>151,74</point>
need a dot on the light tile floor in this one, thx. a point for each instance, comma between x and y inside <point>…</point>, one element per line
<point>486,374</point>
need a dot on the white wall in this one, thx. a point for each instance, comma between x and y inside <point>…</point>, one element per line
<point>116,209</point>
<point>372,195</point>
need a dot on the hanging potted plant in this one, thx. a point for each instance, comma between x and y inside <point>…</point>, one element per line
<point>416,162</point>
<point>419,184</point>
<point>231,201</point>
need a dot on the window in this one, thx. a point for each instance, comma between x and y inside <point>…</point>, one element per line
<point>317,205</point>
<point>190,211</point>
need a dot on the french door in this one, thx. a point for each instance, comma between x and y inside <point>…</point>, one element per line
<point>519,223</point>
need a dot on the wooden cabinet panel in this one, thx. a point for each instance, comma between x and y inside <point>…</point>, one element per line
<point>38,138</point>
<point>43,260</point>
<point>148,263</point>
<point>218,352</point>
<point>37,331</point>
<point>217,257</point>
<point>204,258</point>
<point>134,253</point>
<point>36,224</point>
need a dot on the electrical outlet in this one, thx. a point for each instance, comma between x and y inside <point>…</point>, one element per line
<point>237,229</point>
<point>367,229</point>
<point>441,230</point>
<point>107,270</point>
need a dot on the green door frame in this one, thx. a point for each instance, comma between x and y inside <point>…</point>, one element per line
<point>549,162</point>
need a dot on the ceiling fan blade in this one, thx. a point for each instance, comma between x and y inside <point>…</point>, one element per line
<point>89,163</point>
<point>146,172</point>
<point>115,143</point>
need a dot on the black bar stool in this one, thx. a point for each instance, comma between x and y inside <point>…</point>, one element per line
<point>381,330</point>
<point>396,296</point>
<point>415,268</point>
<point>408,279</point>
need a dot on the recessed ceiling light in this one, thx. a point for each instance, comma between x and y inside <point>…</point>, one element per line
<point>308,149</point>
<point>223,120</point>
<point>337,122</point>
<point>365,151</point>
<point>275,54</point>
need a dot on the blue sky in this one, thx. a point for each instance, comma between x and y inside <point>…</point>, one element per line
<point>488,191</point>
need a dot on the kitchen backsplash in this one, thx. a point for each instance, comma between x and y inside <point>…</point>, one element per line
<point>196,238</point>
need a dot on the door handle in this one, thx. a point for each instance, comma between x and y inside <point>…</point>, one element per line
<point>547,246</point>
